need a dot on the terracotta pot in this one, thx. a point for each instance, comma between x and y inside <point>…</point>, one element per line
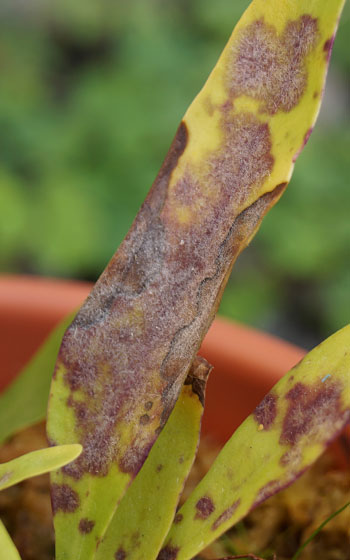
<point>246,362</point>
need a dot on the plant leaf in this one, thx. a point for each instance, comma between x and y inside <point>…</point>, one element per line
<point>147,510</point>
<point>7,546</point>
<point>323,524</point>
<point>37,462</point>
<point>286,433</point>
<point>24,402</point>
<point>140,328</point>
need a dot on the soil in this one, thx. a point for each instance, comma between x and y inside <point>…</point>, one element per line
<point>278,526</point>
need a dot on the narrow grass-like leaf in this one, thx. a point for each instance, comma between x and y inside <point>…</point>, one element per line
<point>37,462</point>
<point>286,433</point>
<point>7,546</point>
<point>24,402</point>
<point>124,359</point>
<point>313,535</point>
<point>147,510</point>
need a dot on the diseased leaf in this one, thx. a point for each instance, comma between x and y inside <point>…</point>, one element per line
<point>285,434</point>
<point>37,462</point>
<point>147,510</point>
<point>24,402</point>
<point>124,359</point>
<point>7,547</point>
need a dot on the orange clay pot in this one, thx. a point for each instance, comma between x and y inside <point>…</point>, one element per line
<point>247,363</point>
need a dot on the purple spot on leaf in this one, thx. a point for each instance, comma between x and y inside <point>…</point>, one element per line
<point>226,515</point>
<point>178,518</point>
<point>86,525</point>
<point>328,46</point>
<point>205,507</point>
<point>64,498</point>
<point>168,553</point>
<point>312,410</point>
<point>270,67</point>
<point>120,554</point>
<point>265,412</point>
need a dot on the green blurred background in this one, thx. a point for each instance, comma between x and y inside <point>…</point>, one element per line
<point>91,93</point>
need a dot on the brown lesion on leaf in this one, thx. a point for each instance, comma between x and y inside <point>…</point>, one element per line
<point>120,554</point>
<point>312,410</point>
<point>133,458</point>
<point>178,518</point>
<point>270,488</point>
<point>291,458</point>
<point>148,405</point>
<point>208,106</point>
<point>86,525</point>
<point>226,515</point>
<point>271,68</point>
<point>204,508</point>
<point>265,413</point>
<point>64,498</point>
<point>159,467</point>
<point>304,142</point>
<point>243,161</point>
<point>328,46</point>
<point>144,419</point>
<point>168,553</point>
<point>227,106</point>
<point>96,431</point>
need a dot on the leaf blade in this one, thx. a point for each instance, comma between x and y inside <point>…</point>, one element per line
<point>274,445</point>
<point>149,505</point>
<point>36,463</point>
<point>7,545</point>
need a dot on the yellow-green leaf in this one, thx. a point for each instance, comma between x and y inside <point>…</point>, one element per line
<point>285,434</point>
<point>147,510</point>
<point>124,359</point>
<point>24,402</point>
<point>7,547</point>
<point>37,462</point>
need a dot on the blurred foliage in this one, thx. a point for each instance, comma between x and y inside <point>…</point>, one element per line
<point>90,97</point>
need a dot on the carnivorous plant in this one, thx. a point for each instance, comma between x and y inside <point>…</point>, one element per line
<point>127,384</point>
